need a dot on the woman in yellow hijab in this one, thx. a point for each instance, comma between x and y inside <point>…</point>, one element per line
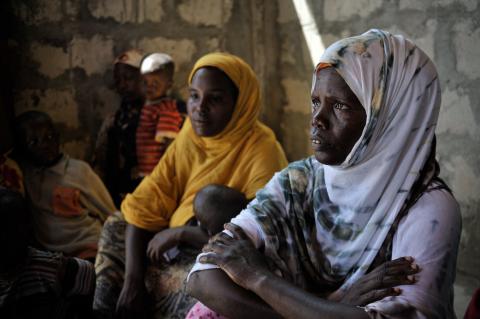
<point>222,148</point>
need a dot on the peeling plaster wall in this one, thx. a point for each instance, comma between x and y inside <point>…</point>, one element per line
<point>61,52</point>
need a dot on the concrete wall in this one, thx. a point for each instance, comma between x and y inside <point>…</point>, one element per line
<point>61,53</point>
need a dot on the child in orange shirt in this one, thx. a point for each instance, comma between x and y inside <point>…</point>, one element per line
<point>160,120</point>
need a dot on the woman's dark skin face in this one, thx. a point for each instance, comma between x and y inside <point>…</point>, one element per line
<point>338,118</point>
<point>211,101</point>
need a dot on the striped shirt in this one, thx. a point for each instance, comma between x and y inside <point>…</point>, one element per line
<point>47,273</point>
<point>159,122</point>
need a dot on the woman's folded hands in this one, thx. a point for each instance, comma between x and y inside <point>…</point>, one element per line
<point>247,267</point>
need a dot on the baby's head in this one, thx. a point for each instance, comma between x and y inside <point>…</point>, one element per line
<point>15,228</point>
<point>157,75</point>
<point>36,140</point>
<point>214,205</point>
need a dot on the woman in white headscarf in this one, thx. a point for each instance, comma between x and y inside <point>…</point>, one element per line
<point>369,196</point>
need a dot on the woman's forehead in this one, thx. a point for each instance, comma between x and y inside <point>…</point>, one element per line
<point>211,78</point>
<point>328,80</point>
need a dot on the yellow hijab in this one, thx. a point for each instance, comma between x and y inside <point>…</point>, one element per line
<point>244,156</point>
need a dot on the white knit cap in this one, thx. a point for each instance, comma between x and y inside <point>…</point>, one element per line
<point>154,62</point>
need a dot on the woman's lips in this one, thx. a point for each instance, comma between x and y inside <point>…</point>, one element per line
<point>201,122</point>
<point>319,144</point>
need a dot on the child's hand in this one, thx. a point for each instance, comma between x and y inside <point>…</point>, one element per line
<point>161,242</point>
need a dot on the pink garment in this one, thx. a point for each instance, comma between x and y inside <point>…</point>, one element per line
<point>200,311</point>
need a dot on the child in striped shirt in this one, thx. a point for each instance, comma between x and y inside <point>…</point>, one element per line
<point>160,120</point>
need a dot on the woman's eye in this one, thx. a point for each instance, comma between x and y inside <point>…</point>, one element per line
<point>217,98</point>
<point>340,106</point>
<point>193,96</point>
<point>315,104</point>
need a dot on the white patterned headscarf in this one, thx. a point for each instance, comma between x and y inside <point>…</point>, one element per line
<point>326,224</point>
<point>398,86</point>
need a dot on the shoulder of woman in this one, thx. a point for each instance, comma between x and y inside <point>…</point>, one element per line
<point>439,201</point>
<point>436,208</point>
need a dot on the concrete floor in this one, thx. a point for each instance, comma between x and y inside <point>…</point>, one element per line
<point>464,288</point>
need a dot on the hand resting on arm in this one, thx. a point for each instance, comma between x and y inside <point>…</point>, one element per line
<point>245,266</point>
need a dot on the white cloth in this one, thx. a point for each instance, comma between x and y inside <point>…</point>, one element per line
<point>154,62</point>
<point>398,86</point>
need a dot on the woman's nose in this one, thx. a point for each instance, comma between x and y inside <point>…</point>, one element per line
<point>202,105</point>
<point>320,118</point>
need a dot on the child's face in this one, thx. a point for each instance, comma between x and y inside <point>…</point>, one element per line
<point>156,84</point>
<point>210,224</point>
<point>127,80</point>
<point>40,142</point>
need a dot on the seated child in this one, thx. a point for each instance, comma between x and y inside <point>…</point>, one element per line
<point>160,120</point>
<point>211,216</point>
<point>34,283</point>
<point>69,201</point>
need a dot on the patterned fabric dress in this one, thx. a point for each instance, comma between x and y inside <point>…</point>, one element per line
<point>164,283</point>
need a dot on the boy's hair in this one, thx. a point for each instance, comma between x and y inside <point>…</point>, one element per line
<point>158,62</point>
<point>26,117</point>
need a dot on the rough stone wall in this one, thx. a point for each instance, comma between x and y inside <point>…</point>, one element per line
<point>61,52</point>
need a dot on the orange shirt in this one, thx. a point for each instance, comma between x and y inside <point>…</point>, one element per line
<point>159,121</point>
